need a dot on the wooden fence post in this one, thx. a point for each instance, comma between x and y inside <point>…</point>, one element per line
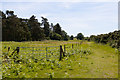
<point>18,49</point>
<point>64,51</point>
<point>61,53</point>
<point>8,49</point>
<point>72,45</point>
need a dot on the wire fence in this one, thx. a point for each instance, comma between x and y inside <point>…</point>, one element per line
<point>40,53</point>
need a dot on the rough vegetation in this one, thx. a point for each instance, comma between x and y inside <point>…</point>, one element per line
<point>90,60</point>
<point>112,38</point>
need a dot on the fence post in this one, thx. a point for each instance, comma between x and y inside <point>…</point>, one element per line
<point>72,45</point>
<point>8,49</point>
<point>18,49</point>
<point>61,53</point>
<point>46,55</point>
<point>64,51</point>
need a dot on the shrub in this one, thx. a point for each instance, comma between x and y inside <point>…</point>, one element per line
<point>80,36</point>
<point>56,36</point>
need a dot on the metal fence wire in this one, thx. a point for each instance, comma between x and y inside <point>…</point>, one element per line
<point>40,53</point>
<point>71,49</point>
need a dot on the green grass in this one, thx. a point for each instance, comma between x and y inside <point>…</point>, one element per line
<point>90,60</point>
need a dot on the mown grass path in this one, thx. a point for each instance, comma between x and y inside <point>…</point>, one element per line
<point>103,63</point>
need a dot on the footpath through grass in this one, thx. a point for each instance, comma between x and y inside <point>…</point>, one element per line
<point>91,60</point>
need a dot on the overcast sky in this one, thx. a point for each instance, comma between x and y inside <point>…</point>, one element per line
<point>89,18</point>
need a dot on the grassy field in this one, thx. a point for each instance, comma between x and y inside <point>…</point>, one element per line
<point>90,60</point>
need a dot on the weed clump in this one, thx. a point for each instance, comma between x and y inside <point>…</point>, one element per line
<point>85,52</point>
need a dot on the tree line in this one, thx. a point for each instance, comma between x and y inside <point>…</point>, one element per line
<point>19,29</point>
<point>112,38</point>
